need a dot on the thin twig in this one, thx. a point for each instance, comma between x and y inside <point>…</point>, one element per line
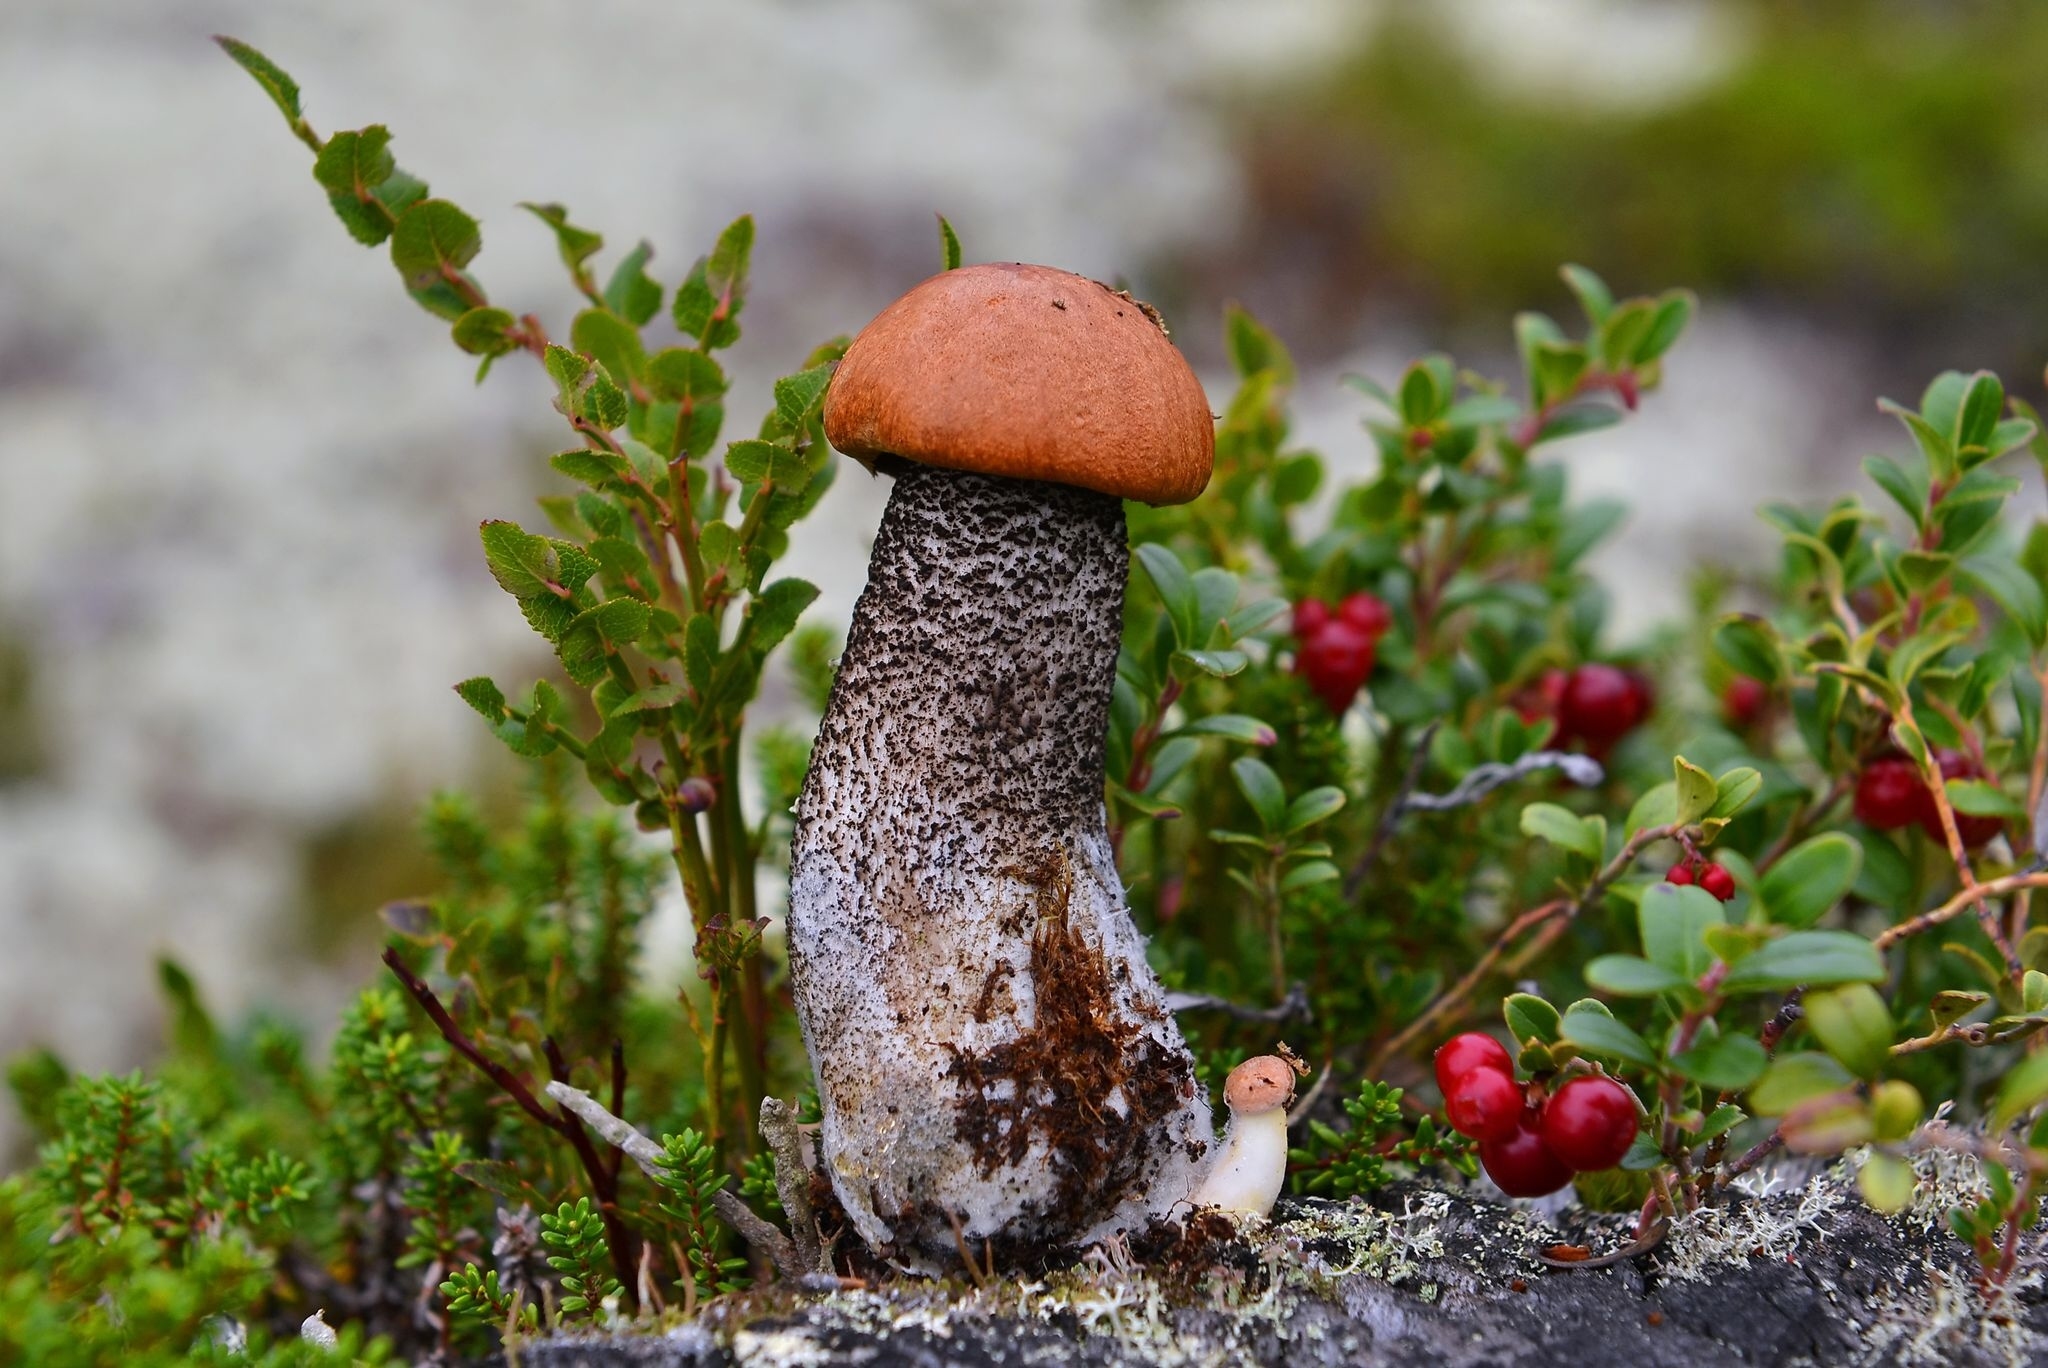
<point>1294,1005</point>
<point>613,1130</point>
<point>793,1169</point>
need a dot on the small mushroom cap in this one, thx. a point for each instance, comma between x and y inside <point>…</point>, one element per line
<point>1031,373</point>
<point>1260,1084</point>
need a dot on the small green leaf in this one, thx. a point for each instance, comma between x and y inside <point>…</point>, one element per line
<point>1674,921</point>
<point>350,168</point>
<point>631,293</point>
<point>1951,1005</point>
<point>1734,789</point>
<point>1795,1078</point>
<point>1261,788</point>
<point>1750,644</point>
<point>1222,664</point>
<point>481,332</point>
<point>797,396</point>
<point>773,612</point>
<point>1724,1118</point>
<point>1562,828</point>
<point>1312,807</point>
<point>1852,1024</point>
<point>1657,807</point>
<point>526,566</point>
<point>433,241</point>
<point>1309,874</point>
<point>1674,312</point>
<point>1629,976</point>
<point>1592,292</point>
<point>1810,879</point>
<point>1590,1026</point>
<point>1530,1018</point>
<point>2024,1088</point>
<point>1980,798</point>
<point>2011,588</point>
<point>1236,726</point>
<point>1696,791</point>
<point>597,633</point>
<point>685,375</point>
<point>576,245</point>
<point>282,89</point>
<point>612,342</point>
<point>949,246</point>
<point>1725,1063</point>
<point>709,300</point>
<point>1176,590</point>
<point>1887,1183</point>
<point>1908,488</point>
<point>1814,958</point>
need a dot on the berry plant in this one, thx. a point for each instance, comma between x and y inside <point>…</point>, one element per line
<point>1378,776</point>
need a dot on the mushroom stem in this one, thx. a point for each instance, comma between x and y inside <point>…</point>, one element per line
<point>989,1042</point>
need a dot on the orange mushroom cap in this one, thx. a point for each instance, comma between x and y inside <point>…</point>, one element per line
<point>1030,373</point>
<point>1260,1084</point>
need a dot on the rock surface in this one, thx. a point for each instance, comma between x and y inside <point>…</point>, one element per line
<point>1420,1276</point>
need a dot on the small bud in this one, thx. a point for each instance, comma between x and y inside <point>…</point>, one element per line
<point>696,795</point>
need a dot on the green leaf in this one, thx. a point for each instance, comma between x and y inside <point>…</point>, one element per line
<point>683,374</point>
<point>1592,292</point>
<point>1920,571</point>
<point>1236,726</point>
<point>1590,1026</point>
<point>2025,1087</point>
<point>1629,976</point>
<point>774,611</point>
<point>1935,447</point>
<point>1309,874</point>
<point>708,302</point>
<point>1733,790</point>
<point>1562,828</point>
<point>1485,410</point>
<point>1951,1005</point>
<point>1312,807</point>
<point>1176,590</point>
<point>1531,1018</point>
<point>631,293</point>
<point>1810,878</point>
<point>1983,402</point>
<point>1261,788</point>
<point>1725,1063</point>
<point>433,241</point>
<point>752,462</point>
<point>1585,525</point>
<point>1222,664</point>
<point>1795,1078</point>
<point>1696,791</point>
<point>1814,958</point>
<point>798,396</point>
<point>1750,644</point>
<point>481,332</point>
<point>1852,1024</point>
<point>1887,1183</point>
<point>1421,401</point>
<point>1980,798</point>
<point>949,246</point>
<point>483,695</point>
<point>526,566</point>
<point>2013,589</point>
<point>577,245</point>
<point>1657,807</point>
<point>1908,488</point>
<point>1254,350</point>
<point>350,168</point>
<point>282,89</point>
<point>1674,312</point>
<point>1673,921</point>
<point>611,342</point>
<point>604,403</point>
<point>596,634</point>
<point>1723,1119</point>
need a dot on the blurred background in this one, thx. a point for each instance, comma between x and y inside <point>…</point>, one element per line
<point>240,474</point>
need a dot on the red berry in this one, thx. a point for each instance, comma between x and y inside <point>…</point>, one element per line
<point>1368,613</point>
<point>1718,882</point>
<point>1744,700</point>
<point>1461,1054</point>
<point>1522,1165</point>
<point>1600,704</point>
<point>1485,1104</point>
<point>1589,1123</point>
<point>1975,831</point>
<point>1335,662</point>
<point>1309,617</point>
<point>1540,699</point>
<point>1680,873</point>
<point>1889,794</point>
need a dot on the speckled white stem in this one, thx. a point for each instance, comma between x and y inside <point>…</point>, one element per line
<point>1247,1175</point>
<point>989,1042</point>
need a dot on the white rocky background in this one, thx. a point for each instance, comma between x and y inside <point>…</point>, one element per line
<point>240,474</point>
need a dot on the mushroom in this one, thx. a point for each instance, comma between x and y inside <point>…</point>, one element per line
<point>995,1059</point>
<point>1246,1177</point>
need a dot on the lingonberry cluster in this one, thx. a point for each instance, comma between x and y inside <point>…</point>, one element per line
<point>1594,706</point>
<point>1339,645</point>
<point>1708,875</point>
<point>1531,1149</point>
<point>1890,795</point>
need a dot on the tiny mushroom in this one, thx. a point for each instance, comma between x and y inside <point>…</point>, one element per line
<point>1245,1178</point>
<point>995,1059</point>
